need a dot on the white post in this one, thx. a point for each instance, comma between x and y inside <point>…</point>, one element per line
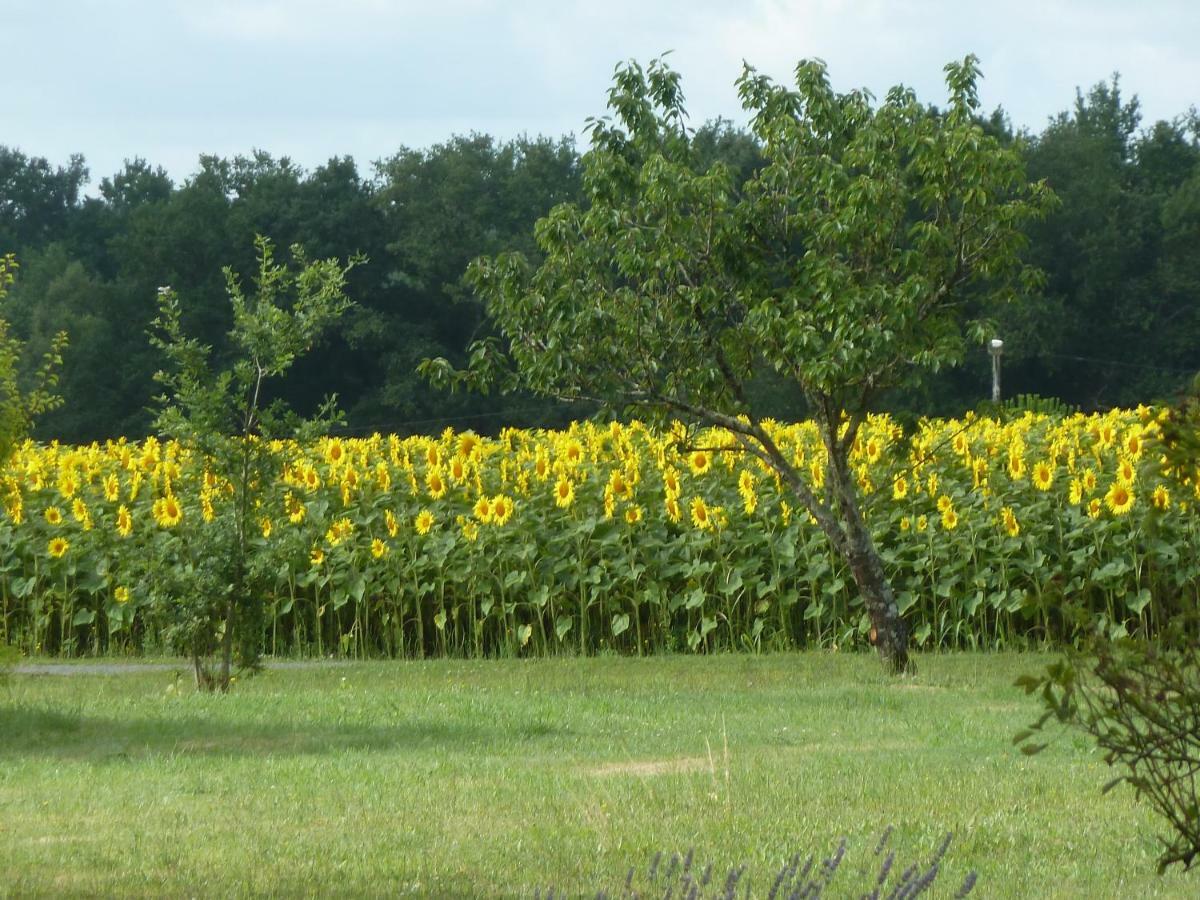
<point>995,347</point>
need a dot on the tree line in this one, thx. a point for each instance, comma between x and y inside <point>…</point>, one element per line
<point>1115,322</point>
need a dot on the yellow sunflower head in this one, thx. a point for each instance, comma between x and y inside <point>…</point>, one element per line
<point>1119,499</point>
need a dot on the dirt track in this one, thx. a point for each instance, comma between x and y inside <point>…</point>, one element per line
<point>101,668</point>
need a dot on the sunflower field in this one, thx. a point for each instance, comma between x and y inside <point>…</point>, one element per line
<point>611,538</point>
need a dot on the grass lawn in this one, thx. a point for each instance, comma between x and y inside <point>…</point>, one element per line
<point>496,778</point>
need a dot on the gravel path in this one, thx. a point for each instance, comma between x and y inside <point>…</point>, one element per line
<point>135,668</point>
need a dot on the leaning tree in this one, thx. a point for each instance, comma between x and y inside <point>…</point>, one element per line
<point>855,259</point>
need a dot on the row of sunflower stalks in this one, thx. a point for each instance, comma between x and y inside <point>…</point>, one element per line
<point>614,537</point>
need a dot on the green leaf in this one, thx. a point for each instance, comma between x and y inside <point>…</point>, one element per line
<point>620,624</point>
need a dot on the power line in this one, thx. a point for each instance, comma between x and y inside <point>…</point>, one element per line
<point>1117,362</point>
<point>412,423</point>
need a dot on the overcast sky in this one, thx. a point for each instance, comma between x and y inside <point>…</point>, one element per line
<point>168,80</point>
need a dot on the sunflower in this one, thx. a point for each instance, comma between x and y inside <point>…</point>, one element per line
<point>1075,494</point>
<point>435,482</point>
<point>295,508</point>
<point>470,530</point>
<point>468,443</point>
<point>379,549</point>
<point>424,521</point>
<point>564,492</point>
<point>339,531</point>
<point>1016,467</point>
<point>1094,508</point>
<point>922,522</point>
<point>53,515</point>
<point>1089,479</point>
<point>633,515</point>
<point>265,526</point>
<point>979,469</point>
<point>699,462</point>
<point>383,477</point>
<point>620,485</point>
<point>1126,472</point>
<point>949,518</point>
<point>1161,498</point>
<point>900,488</point>
<point>67,485</point>
<point>335,452</point>
<point>121,594</point>
<point>58,546</point>
<point>1135,444</point>
<point>167,511</point>
<point>1009,519</point>
<point>874,450</point>
<point>944,503</point>
<point>502,509</point>
<point>81,513</point>
<point>482,510</point>
<point>1119,498</point>
<point>458,469</point>
<point>432,456</point>
<point>316,557</point>
<point>700,515</point>
<point>112,487</point>
<point>389,520</point>
<point>671,483</point>
<point>124,521</point>
<point>674,513</point>
<point>1043,475</point>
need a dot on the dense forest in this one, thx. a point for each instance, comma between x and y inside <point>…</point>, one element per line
<point>1116,321</point>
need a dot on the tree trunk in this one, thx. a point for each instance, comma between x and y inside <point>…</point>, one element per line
<point>889,633</point>
<point>227,645</point>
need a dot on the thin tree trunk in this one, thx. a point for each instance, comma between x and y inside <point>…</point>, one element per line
<point>889,633</point>
<point>227,644</point>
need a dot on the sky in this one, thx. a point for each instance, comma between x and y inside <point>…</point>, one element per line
<point>168,80</point>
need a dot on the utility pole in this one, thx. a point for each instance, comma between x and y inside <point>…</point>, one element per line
<point>995,347</point>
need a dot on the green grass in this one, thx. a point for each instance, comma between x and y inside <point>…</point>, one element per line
<point>495,778</point>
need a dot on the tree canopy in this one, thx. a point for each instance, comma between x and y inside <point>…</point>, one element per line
<point>1114,323</point>
<point>848,263</point>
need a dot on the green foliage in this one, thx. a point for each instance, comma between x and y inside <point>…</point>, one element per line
<point>211,585</point>
<point>19,407</point>
<point>847,263</point>
<point>1140,702</point>
<point>1139,698</point>
<point>1114,324</point>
